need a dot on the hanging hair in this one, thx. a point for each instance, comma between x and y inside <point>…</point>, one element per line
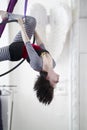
<point>44,91</point>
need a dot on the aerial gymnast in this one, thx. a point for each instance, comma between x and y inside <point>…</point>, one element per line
<point>35,54</point>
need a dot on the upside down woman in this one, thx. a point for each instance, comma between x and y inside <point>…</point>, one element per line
<point>35,54</point>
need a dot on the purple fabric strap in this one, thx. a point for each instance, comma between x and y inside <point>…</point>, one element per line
<point>9,9</point>
<point>25,7</point>
<point>11,5</point>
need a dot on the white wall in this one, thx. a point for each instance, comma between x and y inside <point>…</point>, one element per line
<point>83,74</point>
<point>83,65</point>
<point>28,112</point>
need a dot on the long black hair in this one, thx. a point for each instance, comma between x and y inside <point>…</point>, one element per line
<point>44,91</point>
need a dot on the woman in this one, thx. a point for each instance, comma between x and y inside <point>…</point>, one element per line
<point>36,55</point>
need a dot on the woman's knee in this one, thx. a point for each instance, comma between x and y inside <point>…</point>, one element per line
<point>30,24</point>
<point>31,21</point>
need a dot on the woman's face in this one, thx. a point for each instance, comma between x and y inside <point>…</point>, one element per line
<point>53,77</point>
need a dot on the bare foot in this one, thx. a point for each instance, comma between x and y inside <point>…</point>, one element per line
<point>3,14</point>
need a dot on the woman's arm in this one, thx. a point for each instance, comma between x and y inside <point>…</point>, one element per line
<point>23,31</point>
<point>47,61</point>
<point>39,41</point>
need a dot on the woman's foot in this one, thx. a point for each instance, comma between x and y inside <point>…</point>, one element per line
<point>3,14</point>
<point>10,16</point>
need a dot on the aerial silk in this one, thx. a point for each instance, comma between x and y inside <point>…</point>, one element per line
<point>25,7</point>
<point>10,8</point>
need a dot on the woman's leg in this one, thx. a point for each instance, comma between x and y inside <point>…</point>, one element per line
<point>4,53</point>
<point>16,51</point>
<point>13,52</point>
<point>30,24</point>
